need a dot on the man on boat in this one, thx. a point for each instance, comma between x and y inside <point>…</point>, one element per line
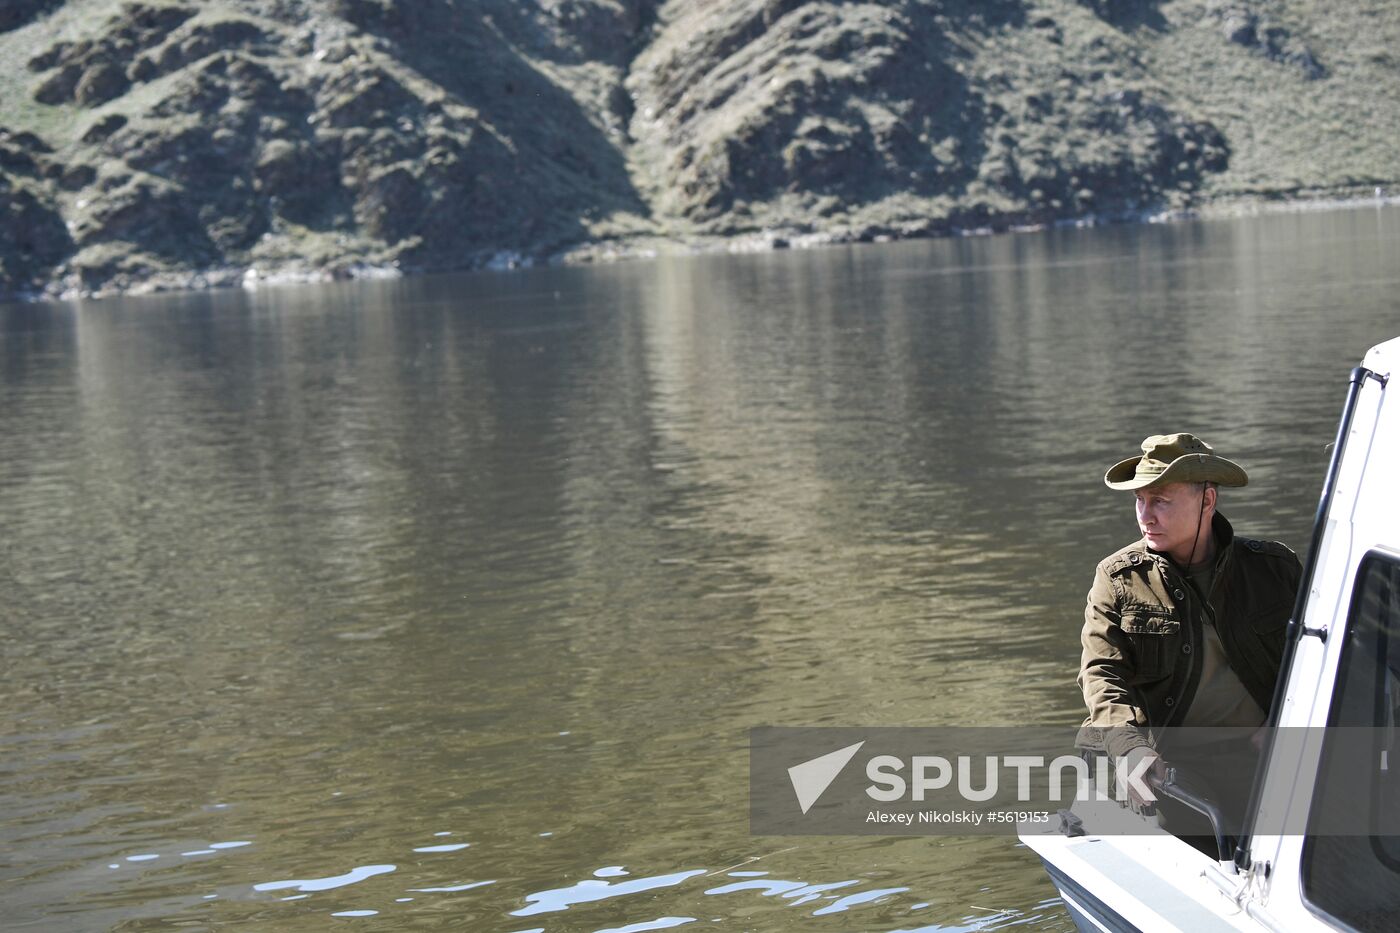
<point>1185,626</point>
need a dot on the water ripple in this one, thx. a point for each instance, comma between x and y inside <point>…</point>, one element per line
<point>592,889</point>
<point>851,900</point>
<point>326,884</point>
<point>454,887</point>
<point>662,923</point>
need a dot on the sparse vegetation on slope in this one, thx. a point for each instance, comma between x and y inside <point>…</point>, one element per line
<point>148,143</point>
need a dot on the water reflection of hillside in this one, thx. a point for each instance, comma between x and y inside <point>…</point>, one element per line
<point>526,554</point>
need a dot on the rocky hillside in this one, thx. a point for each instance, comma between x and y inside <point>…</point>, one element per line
<point>151,143</point>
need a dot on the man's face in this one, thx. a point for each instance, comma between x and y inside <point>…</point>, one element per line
<point>1169,517</point>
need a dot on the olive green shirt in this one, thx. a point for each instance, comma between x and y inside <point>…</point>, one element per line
<point>1221,698</point>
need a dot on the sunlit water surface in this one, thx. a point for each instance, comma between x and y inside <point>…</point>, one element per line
<point>448,603</point>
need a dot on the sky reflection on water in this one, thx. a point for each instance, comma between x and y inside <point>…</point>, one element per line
<point>821,898</point>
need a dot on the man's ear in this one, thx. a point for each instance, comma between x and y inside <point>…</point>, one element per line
<point>1208,498</point>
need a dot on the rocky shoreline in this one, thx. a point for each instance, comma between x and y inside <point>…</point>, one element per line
<point>297,273</point>
<point>160,144</point>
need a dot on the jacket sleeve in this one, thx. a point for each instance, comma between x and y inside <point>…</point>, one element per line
<point>1116,723</point>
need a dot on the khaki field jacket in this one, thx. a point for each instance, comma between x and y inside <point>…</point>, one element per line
<point>1142,636</point>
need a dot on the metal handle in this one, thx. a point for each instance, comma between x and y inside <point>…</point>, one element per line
<point>1171,787</point>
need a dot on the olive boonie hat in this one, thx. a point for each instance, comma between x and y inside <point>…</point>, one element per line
<point>1174,458</point>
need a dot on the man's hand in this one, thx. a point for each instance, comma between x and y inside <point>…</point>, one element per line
<point>1132,764</point>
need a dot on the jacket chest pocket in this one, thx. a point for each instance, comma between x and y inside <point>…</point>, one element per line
<point>1154,638</point>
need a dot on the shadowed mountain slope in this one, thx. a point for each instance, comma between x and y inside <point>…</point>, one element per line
<point>149,143</point>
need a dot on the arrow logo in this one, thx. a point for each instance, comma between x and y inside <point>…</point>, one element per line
<point>811,778</point>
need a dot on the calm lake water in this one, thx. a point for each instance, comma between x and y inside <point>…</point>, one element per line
<point>449,603</point>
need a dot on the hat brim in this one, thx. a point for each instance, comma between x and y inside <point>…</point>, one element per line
<point>1191,468</point>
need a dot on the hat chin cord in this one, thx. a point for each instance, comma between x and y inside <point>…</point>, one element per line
<point>1200,517</point>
